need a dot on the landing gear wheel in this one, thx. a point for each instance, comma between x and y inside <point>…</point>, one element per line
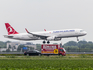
<point>48,42</point>
<point>44,42</point>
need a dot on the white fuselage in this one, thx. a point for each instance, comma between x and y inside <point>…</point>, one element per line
<point>57,34</point>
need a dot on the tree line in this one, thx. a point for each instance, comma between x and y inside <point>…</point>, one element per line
<point>81,46</point>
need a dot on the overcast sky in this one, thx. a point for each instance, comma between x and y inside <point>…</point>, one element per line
<point>37,15</point>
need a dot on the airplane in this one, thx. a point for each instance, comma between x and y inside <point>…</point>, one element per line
<point>55,35</point>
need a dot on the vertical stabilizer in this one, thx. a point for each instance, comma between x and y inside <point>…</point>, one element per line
<point>10,29</point>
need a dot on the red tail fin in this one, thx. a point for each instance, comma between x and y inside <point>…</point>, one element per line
<point>10,29</point>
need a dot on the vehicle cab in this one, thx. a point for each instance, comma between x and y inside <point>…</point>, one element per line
<point>62,51</point>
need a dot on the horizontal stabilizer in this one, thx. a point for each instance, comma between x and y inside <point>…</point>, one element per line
<point>7,36</point>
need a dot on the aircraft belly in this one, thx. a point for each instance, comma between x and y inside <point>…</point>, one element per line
<point>26,38</point>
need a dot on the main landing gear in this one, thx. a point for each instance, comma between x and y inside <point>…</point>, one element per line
<point>45,42</point>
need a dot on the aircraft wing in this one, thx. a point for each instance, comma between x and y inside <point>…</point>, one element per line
<point>41,36</point>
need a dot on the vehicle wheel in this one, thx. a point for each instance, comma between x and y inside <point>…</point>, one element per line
<point>27,54</point>
<point>39,54</point>
<point>59,54</point>
<point>48,55</point>
<point>44,42</point>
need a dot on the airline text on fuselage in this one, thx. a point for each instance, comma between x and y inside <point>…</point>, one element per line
<point>63,31</point>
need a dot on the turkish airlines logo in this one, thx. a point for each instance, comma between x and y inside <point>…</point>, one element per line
<point>10,30</point>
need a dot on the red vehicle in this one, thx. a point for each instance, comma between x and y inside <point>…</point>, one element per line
<point>52,49</point>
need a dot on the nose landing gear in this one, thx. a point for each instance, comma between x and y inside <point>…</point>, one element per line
<point>77,39</point>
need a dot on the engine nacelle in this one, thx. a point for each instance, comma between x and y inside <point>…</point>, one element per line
<point>57,39</point>
<point>53,38</point>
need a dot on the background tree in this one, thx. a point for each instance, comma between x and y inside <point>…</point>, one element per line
<point>38,46</point>
<point>20,47</point>
<point>9,46</point>
<point>8,50</point>
<point>82,46</point>
<point>2,44</point>
<point>71,43</point>
<point>80,43</point>
<point>14,47</point>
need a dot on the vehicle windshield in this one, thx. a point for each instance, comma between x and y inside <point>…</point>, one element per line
<point>33,51</point>
<point>61,50</point>
<point>36,50</point>
<point>64,49</point>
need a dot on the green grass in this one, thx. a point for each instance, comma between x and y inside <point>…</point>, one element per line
<point>81,62</point>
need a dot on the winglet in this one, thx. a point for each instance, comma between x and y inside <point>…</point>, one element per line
<point>26,30</point>
<point>44,29</point>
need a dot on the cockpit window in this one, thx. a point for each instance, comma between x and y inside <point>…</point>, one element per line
<point>81,30</point>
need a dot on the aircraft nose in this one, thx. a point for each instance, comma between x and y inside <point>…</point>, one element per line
<point>85,32</point>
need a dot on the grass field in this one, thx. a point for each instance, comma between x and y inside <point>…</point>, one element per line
<point>69,62</point>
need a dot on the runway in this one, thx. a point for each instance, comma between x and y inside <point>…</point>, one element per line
<point>66,52</point>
